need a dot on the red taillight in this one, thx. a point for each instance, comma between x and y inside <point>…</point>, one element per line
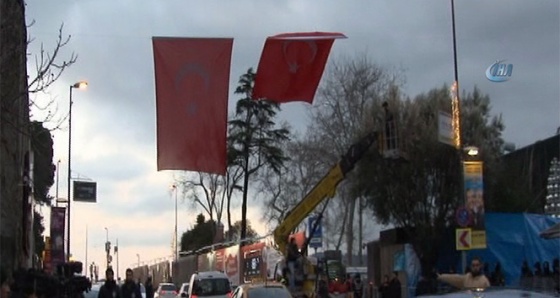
<point>230,294</point>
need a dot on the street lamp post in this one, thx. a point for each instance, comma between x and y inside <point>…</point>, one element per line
<point>78,85</point>
<point>86,248</point>
<point>138,256</point>
<point>56,193</point>
<point>176,233</point>
<point>456,118</point>
<point>107,247</point>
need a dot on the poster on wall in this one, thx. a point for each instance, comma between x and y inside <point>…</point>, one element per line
<point>219,258</point>
<point>253,263</point>
<point>474,201</point>
<point>58,221</point>
<point>231,264</point>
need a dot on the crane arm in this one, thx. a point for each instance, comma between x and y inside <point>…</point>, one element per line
<point>326,188</point>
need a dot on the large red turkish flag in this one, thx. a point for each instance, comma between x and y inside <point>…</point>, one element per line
<point>192,79</point>
<point>292,65</point>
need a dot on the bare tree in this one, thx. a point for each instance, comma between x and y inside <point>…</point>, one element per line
<point>49,66</point>
<point>233,176</point>
<point>342,113</point>
<point>204,190</point>
<point>282,191</point>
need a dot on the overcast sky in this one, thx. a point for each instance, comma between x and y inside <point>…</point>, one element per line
<point>114,120</point>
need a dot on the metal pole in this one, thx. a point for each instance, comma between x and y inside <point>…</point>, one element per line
<point>454,42</point>
<point>107,248</point>
<point>456,76</point>
<point>117,253</point>
<point>69,167</point>
<point>86,250</point>
<point>56,194</point>
<point>176,234</point>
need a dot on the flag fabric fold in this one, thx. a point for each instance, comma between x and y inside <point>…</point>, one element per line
<point>192,89</point>
<point>291,66</point>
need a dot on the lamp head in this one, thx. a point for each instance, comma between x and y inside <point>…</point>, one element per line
<point>471,150</point>
<point>80,85</point>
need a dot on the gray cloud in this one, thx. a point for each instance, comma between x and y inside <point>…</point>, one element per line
<point>113,40</point>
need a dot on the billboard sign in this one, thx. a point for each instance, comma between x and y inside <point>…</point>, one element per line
<point>474,201</point>
<point>85,191</point>
<point>316,240</point>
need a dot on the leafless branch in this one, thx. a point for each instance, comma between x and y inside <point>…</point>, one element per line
<point>48,65</point>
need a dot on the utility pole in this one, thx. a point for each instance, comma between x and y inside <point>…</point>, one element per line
<point>175,249</point>
<point>456,111</point>
<point>117,255</point>
<point>86,250</point>
<point>56,193</point>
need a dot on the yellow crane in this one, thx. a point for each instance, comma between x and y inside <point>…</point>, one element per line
<point>326,188</point>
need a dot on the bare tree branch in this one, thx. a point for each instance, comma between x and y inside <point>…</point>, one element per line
<point>48,66</point>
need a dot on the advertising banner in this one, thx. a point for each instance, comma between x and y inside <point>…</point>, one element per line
<point>58,220</point>
<point>220,259</point>
<point>474,201</point>
<point>232,264</point>
<point>253,265</point>
<point>203,262</point>
<point>47,257</point>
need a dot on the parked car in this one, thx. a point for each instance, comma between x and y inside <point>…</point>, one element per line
<point>262,290</point>
<point>209,284</point>
<point>493,293</point>
<point>166,290</point>
<point>184,290</point>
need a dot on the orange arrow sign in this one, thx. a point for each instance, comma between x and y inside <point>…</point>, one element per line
<point>463,239</point>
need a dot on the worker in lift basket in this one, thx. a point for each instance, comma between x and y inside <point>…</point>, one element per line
<point>475,279</point>
<point>292,256</point>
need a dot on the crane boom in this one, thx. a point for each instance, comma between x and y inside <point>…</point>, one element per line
<point>326,188</point>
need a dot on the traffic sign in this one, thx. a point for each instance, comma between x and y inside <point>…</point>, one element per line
<point>316,240</point>
<point>463,239</point>
<point>463,217</point>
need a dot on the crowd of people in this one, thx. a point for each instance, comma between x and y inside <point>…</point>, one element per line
<point>129,289</point>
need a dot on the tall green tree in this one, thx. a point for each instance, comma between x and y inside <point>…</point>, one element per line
<point>255,138</point>
<point>235,231</point>
<point>43,177</point>
<point>199,236</point>
<point>422,194</point>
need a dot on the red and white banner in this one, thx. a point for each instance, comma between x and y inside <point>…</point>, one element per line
<point>192,79</point>
<point>292,65</point>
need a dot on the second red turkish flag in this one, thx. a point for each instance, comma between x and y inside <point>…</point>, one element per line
<point>192,80</point>
<point>292,65</point>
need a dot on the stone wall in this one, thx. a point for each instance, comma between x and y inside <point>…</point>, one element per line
<point>14,128</point>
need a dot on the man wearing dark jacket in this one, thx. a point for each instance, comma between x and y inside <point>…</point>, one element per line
<point>149,287</point>
<point>130,289</point>
<point>109,289</point>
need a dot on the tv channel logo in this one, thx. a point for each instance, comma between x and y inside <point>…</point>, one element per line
<point>499,72</point>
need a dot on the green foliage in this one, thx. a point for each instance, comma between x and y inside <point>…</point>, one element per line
<point>44,169</point>
<point>254,141</point>
<point>201,234</point>
<point>235,231</point>
<point>38,230</point>
<point>422,194</point>
<point>43,177</point>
